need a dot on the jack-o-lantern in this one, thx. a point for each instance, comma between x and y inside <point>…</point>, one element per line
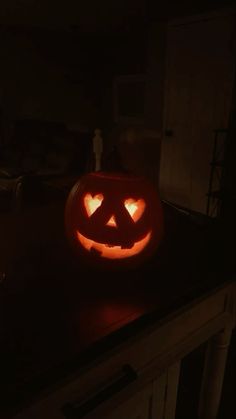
<point>114,219</point>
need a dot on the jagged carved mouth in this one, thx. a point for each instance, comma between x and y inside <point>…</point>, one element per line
<point>113,252</point>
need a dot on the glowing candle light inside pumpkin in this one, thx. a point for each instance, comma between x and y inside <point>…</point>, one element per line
<point>114,217</point>
<point>135,208</point>
<point>92,203</point>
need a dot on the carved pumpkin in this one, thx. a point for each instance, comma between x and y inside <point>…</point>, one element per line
<point>114,219</point>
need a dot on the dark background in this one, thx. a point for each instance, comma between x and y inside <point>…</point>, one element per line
<point>58,63</point>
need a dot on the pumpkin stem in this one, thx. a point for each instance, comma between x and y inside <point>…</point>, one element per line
<point>112,162</point>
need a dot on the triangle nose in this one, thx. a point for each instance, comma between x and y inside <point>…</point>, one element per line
<point>112,222</point>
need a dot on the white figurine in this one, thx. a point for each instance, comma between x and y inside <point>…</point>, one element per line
<point>97,148</point>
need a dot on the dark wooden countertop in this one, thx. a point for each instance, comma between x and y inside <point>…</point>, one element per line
<point>57,315</point>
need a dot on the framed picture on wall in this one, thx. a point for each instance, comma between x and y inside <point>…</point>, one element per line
<point>129,98</point>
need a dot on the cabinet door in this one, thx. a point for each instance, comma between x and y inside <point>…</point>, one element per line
<point>156,401</point>
<point>159,389</point>
<point>164,393</point>
<point>146,404</point>
<point>199,80</point>
<point>171,391</point>
<point>137,407</point>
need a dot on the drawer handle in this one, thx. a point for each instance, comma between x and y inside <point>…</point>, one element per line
<point>78,411</point>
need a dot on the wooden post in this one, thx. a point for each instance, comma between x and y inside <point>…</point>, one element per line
<point>213,375</point>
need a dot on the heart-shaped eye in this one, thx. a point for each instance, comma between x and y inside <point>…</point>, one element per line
<point>92,203</point>
<point>135,208</point>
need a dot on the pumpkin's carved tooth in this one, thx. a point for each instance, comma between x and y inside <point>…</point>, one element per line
<point>127,246</point>
<point>95,251</point>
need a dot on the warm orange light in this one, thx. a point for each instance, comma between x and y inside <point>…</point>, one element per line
<point>113,219</point>
<point>112,222</point>
<point>92,203</point>
<point>135,208</point>
<point>122,312</point>
<point>114,252</point>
